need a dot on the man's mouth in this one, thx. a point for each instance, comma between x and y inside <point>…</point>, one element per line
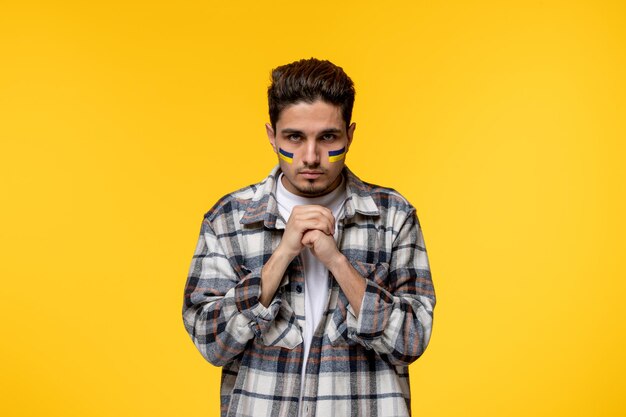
<point>310,174</point>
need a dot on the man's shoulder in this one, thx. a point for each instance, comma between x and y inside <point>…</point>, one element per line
<point>385,198</point>
<point>233,202</point>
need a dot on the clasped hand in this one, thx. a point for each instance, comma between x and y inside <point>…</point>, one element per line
<point>311,226</point>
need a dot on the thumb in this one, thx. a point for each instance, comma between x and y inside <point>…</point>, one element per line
<point>309,238</point>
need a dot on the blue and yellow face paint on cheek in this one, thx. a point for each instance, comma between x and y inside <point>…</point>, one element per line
<point>338,155</point>
<point>285,156</point>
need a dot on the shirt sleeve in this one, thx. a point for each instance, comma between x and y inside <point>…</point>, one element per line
<point>221,309</point>
<point>396,313</point>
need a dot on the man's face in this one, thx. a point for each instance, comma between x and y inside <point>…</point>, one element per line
<point>309,131</point>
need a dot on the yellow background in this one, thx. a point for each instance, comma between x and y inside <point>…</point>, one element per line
<point>121,123</point>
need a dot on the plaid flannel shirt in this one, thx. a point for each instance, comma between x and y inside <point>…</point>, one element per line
<point>357,366</point>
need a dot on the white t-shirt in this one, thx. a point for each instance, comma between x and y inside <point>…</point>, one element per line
<point>315,273</point>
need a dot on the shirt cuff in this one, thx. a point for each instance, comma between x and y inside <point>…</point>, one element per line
<point>247,293</point>
<point>375,310</point>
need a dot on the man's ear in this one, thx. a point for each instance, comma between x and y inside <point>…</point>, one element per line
<point>351,129</point>
<point>271,136</point>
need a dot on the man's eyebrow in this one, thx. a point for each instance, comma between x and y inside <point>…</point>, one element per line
<point>289,131</point>
<point>331,130</point>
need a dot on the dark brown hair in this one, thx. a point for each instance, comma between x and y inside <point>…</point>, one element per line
<point>308,80</point>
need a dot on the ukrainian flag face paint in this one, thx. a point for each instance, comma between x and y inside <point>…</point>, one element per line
<point>312,142</point>
<point>338,155</point>
<point>285,156</point>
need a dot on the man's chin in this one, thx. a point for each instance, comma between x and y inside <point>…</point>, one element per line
<point>312,190</point>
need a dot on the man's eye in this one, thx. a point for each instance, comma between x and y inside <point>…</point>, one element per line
<point>293,137</point>
<point>328,136</point>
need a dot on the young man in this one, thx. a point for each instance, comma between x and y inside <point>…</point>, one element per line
<point>312,288</point>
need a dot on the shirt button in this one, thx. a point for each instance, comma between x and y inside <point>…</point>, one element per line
<point>299,289</point>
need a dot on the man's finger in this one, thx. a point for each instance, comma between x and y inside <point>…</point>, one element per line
<point>313,211</point>
<point>309,238</point>
<point>314,224</point>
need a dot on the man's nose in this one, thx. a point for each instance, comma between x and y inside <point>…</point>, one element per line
<point>311,153</point>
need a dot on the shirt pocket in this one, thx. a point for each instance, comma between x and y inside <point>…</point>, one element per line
<point>285,331</point>
<point>342,321</point>
<point>337,326</point>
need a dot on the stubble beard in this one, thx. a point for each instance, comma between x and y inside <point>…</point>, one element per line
<point>311,190</point>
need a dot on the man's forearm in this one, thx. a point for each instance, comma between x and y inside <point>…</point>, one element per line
<point>351,282</point>
<point>272,274</point>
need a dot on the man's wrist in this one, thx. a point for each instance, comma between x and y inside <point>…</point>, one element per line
<point>284,254</point>
<point>337,262</point>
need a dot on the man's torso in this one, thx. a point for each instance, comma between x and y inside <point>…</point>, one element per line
<point>343,377</point>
